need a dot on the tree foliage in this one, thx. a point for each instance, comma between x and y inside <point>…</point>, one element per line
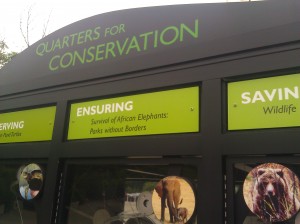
<point>5,55</point>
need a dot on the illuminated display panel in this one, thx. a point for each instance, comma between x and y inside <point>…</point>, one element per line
<point>264,103</point>
<point>27,126</point>
<point>172,111</point>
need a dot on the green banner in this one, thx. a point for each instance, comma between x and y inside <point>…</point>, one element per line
<point>173,111</point>
<point>264,103</point>
<point>27,126</point>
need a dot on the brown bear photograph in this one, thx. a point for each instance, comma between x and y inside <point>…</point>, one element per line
<point>272,192</point>
<point>173,200</point>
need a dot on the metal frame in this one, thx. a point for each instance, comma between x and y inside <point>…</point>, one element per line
<point>212,144</point>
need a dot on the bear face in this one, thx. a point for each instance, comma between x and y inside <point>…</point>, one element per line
<point>271,183</point>
<point>272,199</point>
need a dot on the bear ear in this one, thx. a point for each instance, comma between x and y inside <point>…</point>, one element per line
<point>280,173</point>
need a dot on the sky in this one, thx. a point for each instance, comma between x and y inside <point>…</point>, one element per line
<point>60,13</point>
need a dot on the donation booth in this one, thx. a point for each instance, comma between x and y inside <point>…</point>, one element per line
<point>170,114</point>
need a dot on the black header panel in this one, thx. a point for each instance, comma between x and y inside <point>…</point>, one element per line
<point>130,40</point>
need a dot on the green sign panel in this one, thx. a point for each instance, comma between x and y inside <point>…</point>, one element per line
<point>173,111</point>
<point>27,126</point>
<point>264,103</point>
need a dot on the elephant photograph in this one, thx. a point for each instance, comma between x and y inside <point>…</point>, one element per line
<point>173,200</point>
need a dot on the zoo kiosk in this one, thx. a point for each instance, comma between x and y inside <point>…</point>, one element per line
<point>187,114</point>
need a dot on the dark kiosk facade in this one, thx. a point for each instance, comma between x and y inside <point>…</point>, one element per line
<point>171,114</point>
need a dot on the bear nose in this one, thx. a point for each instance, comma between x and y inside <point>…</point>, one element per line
<point>270,190</point>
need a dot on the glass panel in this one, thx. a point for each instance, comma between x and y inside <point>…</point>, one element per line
<point>119,194</point>
<point>266,193</point>
<point>13,208</point>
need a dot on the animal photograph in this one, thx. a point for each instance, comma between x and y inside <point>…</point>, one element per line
<point>173,200</point>
<point>30,181</point>
<point>272,192</point>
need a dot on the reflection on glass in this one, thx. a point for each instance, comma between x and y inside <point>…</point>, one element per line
<point>115,194</point>
<point>254,189</point>
<point>13,209</point>
<point>30,181</point>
